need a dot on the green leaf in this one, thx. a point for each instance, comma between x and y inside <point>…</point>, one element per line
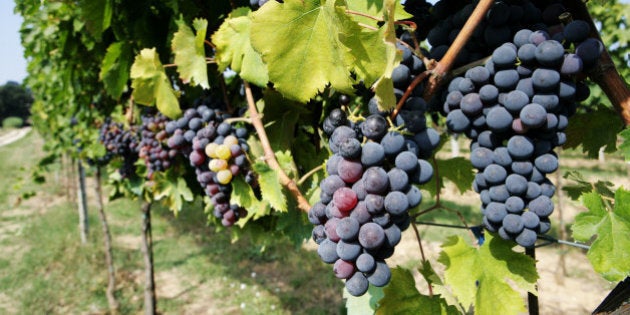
<point>280,117</point>
<point>172,190</point>
<point>373,56</point>
<point>234,50</point>
<point>458,170</point>
<point>384,86</point>
<point>374,8</point>
<point>624,147</point>
<point>299,42</point>
<point>190,54</point>
<point>594,130</point>
<point>97,15</point>
<point>402,297</point>
<point>582,186</point>
<point>364,304</point>
<point>478,276</point>
<point>243,195</point>
<point>270,186</point>
<point>610,252</point>
<point>151,85</point>
<point>115,68</point>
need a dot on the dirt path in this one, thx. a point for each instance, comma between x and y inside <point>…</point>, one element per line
<point>14,135</point>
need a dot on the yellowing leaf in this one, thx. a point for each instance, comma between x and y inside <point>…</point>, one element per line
<point>610,252</point>
<point>190,55</point>
<point>384,87</point>
<point>234,50</point>
<point>478,276</point>
<point>374,8</point>
<point>299,42</point>
<point>151,85</point>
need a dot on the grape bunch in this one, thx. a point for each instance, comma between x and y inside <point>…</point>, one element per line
<point>515,110</point>
<point>152,149</point>
<point>501,23</point>
<point>119,141</point>
<point>217,151</point>
<point>365,200</point>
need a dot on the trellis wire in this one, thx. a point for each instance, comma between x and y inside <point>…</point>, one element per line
<point>478,229</point>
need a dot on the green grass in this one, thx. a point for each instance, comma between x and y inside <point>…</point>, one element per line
<point>46,270</point>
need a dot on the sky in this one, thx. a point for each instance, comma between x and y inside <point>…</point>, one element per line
<point>12,63</point>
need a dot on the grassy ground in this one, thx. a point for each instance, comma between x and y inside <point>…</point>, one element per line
<point>45,270</point>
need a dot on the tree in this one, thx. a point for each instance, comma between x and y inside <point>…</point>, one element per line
<point>15,101</point>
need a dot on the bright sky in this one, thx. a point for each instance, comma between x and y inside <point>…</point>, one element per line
<point>12,63</point>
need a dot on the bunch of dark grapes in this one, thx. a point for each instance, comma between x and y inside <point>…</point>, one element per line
<point>515,109</point>
<point>119,141</point>
<point>217,151</point>
<point>502,21</point>
<point>365,200</point>
<point>153,149</point>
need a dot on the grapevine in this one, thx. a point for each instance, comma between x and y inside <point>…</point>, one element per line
<point>283,113</point>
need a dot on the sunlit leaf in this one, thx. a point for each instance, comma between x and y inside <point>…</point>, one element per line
<point>190,55</point>
<point>151,85</point>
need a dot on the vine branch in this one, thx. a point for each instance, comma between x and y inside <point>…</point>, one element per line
<point>270,157</point>
<point>605,73</point>
<point>445,65</point>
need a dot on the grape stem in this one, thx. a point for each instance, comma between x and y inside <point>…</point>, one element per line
<point>415,230</point>
<point>209,43</point>
<point>309,174</point>
<point>445,65</point>
<point>364,15</point>
<point>419,78</point>
<point>270,157</point>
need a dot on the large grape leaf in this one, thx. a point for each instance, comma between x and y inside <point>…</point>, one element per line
<point>375,57</point>
<point>624,147</point>
<point>364,304</point>
<point>582,186</point>
<point>151,85</point>
<point>373,8</point>
<point>402,297</point>
<point>115,68</point>
<point>299,42</point>
<point>270,186</point>
<point>234,49</point>
<point>171,190</point>
<point>594,130</point>
<point>610,251</point>
<point>479,276</point>
<point>190,54</point>
<point>97,15</point>
<point>384,86</point>
<point>457,169</point>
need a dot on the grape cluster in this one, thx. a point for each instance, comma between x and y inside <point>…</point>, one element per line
<point>153,150</point>
<point>502,21</point>
<point>217,152</point>
<point>119,141</point>
<point>365,200</point>
<point>515,109</point>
